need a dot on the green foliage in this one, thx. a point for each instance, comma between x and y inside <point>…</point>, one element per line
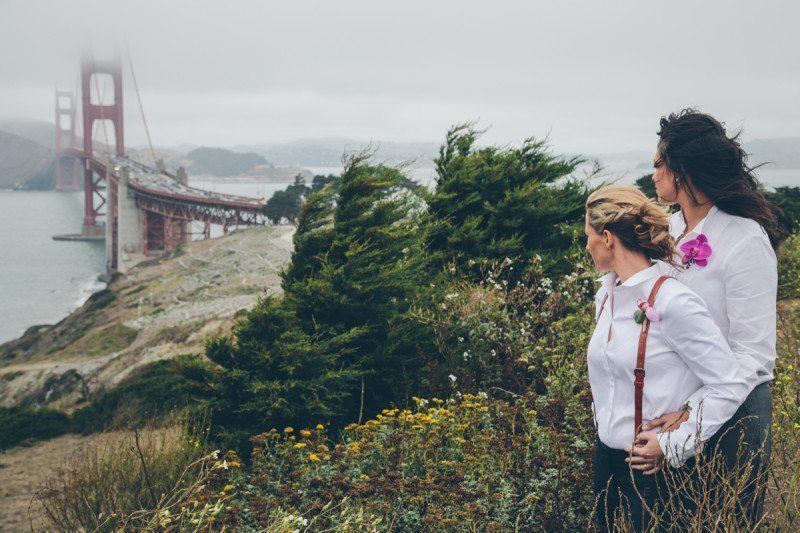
<point>788,200</point>
<point>338,343</point>
<point>646,185</point>
<point>320,181</point>
<point>105,341</point>
<point>467,464</point>
<point>499,333</point>
<point>148,394</point>
<point>493,203</point>
<point>21,424</point>
<point>789,267</point>
<point>286,204</point>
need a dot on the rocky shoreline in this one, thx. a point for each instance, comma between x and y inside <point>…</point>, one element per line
<point>161,308</point>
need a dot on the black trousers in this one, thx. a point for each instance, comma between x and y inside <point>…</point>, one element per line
<point>622,489</point>
<point>745,440</point>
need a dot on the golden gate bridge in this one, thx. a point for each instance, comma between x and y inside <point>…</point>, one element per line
<point>139,211</point>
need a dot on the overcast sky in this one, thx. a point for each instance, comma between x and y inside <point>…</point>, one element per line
<point>594,75</point>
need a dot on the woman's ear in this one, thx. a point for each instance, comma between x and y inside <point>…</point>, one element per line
<point>608,238</point>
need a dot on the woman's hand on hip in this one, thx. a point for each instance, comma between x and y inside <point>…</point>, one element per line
<point>668,422</point>
<point>646,454</point>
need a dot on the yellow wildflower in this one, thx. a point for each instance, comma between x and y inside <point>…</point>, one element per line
<point>299,445</point>
<point>228,487</point>
<point>320,427</point>
<point>314,457</point>
<point>305,433</point>
<point>288,430</point>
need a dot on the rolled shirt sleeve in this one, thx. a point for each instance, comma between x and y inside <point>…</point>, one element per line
<point>689,329</point>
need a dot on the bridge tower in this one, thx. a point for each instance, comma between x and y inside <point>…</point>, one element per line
<point>94,188</point>
<point>66,165</point>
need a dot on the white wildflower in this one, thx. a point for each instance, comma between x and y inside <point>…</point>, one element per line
<point>483,395</point>
<point>452,378</point>
<point>461,339</point>
<point>225,464</point>
<point>215,454</point>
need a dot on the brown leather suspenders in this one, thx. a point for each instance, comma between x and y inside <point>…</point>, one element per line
<point>638,372</point>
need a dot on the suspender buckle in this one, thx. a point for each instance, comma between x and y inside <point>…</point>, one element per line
<point>638,372</point>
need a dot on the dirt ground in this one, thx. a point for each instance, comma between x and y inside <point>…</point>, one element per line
<point>23,472</point>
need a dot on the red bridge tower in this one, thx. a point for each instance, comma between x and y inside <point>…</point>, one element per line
<point>94,189</point>
<point>66,164</point>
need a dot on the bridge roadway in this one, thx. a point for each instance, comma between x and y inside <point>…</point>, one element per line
<point>151,211</point>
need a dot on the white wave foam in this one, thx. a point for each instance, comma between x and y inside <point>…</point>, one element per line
<point>89,287</point>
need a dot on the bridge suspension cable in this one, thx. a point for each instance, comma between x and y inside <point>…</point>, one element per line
<point>141,107</point>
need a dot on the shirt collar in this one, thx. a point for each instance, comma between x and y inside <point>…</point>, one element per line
<point>610,279</point>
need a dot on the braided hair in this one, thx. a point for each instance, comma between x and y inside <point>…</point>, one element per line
<point>640,223</point>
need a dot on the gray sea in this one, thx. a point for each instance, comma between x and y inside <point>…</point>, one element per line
<point>42,280</point>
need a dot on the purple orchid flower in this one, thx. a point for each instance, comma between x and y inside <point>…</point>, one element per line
<point>697,251</point>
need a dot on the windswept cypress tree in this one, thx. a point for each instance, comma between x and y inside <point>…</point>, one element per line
<point>492,203</point>
<point>337,346</point>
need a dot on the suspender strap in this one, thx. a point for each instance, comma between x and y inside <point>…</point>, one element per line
<point>638,373</point>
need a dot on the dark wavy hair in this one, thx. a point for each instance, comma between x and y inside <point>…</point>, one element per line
<point>696,145</point>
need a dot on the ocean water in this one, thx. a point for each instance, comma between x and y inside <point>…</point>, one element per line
<point>42,280</point>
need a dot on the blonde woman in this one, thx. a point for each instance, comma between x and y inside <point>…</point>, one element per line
<point>654,345</point>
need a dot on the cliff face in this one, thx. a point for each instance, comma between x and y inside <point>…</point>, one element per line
<point>159,309</point>
<point>25,163</point>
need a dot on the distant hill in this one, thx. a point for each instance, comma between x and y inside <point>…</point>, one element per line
<point>327,152</point>
<point>780,153</point>
<point>783,153</point>
<point>222,162</point>
<point>38,131</point>
<point>25,163</point>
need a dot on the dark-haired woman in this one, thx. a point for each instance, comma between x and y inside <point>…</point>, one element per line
<point>726,234</point>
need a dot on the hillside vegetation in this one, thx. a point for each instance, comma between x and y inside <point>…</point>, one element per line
<point>423,369</point>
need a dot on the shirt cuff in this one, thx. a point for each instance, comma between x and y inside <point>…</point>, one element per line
<point>677,449</point>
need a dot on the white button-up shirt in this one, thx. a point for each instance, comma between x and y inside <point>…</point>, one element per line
<point>686,355</point>
<point>739,285</point>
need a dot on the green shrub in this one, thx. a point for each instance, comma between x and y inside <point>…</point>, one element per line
<point>21,424</point>
<point>789,267</point>
<point>788,200</point>
<point>337,346</point>
<point>494,203</point>
<point>149,393</point>
<point>646,185</point>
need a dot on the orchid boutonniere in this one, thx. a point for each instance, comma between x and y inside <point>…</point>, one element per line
<point>696,252</point>
<point>645,311</point>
